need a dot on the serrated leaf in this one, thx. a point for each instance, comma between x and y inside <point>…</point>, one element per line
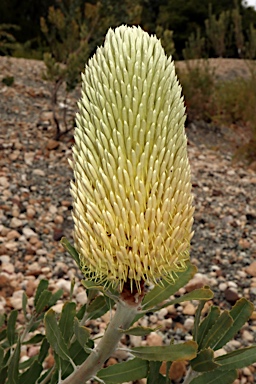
<point>154,376</point>
<point>54,335</point>
<point>82,333</point>
<point>13,366</point>
<point>42,286</point>
<point>238,359</point>
<point>43,301</point>
<point>55,297</point>
<point>131,370</point>
<point>31,375</point>
<point>204,362</point>
<point>160,293</point>
<point>11,327</point>
<point>35,339</point>
<point>173,352</point>
<point>216,377</point>
<point>240,313</point>
<point>24,304</point>
<point>207,323</point>
<point>67,320</point>
<point>139,331</point>
<point>43,351</point>
<point>71,250</point>
<point>217,331</point>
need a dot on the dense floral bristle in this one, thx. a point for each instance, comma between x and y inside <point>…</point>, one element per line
<point>132,197</point>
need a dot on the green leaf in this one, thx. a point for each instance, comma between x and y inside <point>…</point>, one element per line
<point>71,250</point>
<point>204,361</point>
<point>27,363</point>
<point>1,357</point>
<point>67,320</point>
<point>3,334</point>
<point>82,333</point>
<point>217,331</point>
<point>98,307</point>
<point>161,293</point>
<point>206,324</point>
<point>154,376</point>
<point>139,331</point>
<point>55,297</point>
<point>43,301</point>
<point>173,352</point>
<point>54,335</point>
<point>42,286</point>
<point>3,375</point>
<point>43,351</point>
<point>11,327</point>
<point>238,359</point>
<point>31,375</point>
<point>2,320</point>
<point>240,313</point>
<point>13,366</point>
<point>35,339</point>
<point>24,304</point>
<point>216,377</point>
<point>130,370</point>
<point>197,294</point>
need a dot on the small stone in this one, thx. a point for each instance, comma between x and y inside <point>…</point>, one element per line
<point>31,288</point>
<point>39,172</point>
<point>52,144</point>
<point>154,339</point>
<point>28,232</point>
<point>16,223</point>
<point>31,212</point>
<point>198,281</point>
<point>13,234</point>
<point>189,324</point>
<point>177,370</point>
<point>4,182</point>
<point>162,313</point>
<point>247,336</point>
<point>8,267</point>
<point>58,307</point>
<point>251,270</point>
<point>63,284</point>
<point>231,295</point>
<point>58,219</point>
<point>81,298</point>
<point>223,286</point>
<point>189,309</point>
<point>220,352</point>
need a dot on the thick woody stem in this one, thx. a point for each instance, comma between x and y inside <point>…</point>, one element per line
<point>122,319</point>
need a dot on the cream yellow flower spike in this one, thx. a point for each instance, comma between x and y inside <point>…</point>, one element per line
<point>132,204</point>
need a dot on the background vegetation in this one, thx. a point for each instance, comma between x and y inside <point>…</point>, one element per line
<point>65,33</point>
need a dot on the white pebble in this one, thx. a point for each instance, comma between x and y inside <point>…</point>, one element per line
<point>223,286</point>
<point>189,323</point>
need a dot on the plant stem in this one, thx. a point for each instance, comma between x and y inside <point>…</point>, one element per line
<point>122,320</point>
<point>190,375</point>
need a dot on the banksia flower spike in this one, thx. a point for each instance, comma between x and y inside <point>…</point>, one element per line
<point>132,192</point>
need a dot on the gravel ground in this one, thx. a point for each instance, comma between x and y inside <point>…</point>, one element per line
<point>35,212</point>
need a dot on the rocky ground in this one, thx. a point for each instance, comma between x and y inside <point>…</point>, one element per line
<point>35,212</point>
